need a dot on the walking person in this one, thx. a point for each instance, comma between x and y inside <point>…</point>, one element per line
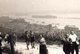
<point>32,37</point>
<point>66,44</point>
<point>27,39</point>
<point>42,47</point>
<point>74,42</point>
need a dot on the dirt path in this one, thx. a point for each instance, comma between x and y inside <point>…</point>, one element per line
<point>52,49</point>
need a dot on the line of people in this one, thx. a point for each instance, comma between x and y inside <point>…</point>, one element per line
<point>29,37</point>
<point>70,42</point>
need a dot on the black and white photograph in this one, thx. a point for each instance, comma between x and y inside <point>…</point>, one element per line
<point>39,27</point>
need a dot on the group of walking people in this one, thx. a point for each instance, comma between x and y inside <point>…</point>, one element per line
<point>71,43</point>
<point>30,38</point>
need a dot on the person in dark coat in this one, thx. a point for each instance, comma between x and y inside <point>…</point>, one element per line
<point>11,42</point>
<point>66,45</point>
<point>42,47</point>
<point>0,43</point>
<point>27,39</point>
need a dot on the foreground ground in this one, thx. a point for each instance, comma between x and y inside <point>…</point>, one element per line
<point>52,49</point>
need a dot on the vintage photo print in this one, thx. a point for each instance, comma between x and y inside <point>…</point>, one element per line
<point>39,26</point>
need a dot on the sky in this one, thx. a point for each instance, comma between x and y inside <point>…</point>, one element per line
<point>68,11</point>
<point>25,6</point>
